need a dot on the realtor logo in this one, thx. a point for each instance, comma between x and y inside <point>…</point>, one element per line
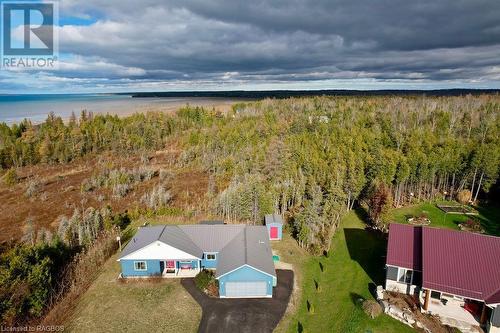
<point>28,35</point>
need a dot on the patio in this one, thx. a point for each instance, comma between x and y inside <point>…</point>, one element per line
<point>453,314</point>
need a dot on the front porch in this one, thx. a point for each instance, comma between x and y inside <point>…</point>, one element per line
<point>180,268</point>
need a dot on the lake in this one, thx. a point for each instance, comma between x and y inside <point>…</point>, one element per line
<point>15,108</point>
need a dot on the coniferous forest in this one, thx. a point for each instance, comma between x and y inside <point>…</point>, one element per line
<point>310,159</point>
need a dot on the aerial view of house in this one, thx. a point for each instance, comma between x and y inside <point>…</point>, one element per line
<point>454,274</point>
<point>240,255</point>
<point>240,166</point>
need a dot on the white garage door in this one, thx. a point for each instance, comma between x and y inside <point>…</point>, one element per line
<point>246,289</point>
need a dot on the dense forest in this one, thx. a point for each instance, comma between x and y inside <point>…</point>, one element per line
<point>310,159</point>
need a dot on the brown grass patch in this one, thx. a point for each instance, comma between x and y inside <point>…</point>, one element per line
<point>60,187</point>
<point>137,305</point>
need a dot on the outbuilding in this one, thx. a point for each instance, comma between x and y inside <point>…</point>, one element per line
<point>274,224</point>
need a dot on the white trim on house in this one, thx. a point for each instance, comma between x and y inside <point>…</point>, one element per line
<point>448,293</point>
<point>415,270</point>
<point>140,269</point>
<point>159,251</point>
<point>258,270</point>
<point>401,286</point>
<point>210,254</point>
<point>403,276</point>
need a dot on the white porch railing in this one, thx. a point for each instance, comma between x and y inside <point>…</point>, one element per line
<point>181,272</point>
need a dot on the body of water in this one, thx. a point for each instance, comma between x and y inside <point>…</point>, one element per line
<point>15,108</point>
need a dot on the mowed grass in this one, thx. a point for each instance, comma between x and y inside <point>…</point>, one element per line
<point>136,306</point>
<point>353,268</point>
<point>489,216</point>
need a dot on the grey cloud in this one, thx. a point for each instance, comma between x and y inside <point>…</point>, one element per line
<point>282,41</point>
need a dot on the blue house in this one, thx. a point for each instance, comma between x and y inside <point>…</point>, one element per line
<point>240,255</point>
<point>274,224</point>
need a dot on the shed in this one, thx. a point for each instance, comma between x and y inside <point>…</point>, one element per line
<point>274,224</point>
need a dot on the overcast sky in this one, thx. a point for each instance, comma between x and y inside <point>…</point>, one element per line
<point>151,45</point>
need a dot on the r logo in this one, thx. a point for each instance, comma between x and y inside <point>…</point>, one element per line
<point>37,23</point>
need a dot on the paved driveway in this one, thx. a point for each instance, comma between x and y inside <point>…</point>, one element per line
<point>243,315</point>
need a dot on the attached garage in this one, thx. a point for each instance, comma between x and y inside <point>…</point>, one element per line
<point>245,268</point>
<point>246,289</point>
<point>246,281</point>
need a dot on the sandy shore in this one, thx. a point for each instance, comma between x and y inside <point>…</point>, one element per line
<point>219,104</point>
<point>37,111</point>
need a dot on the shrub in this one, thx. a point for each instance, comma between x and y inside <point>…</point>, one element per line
<point>203,279</point>
<point>10,178</point>
<point>158,198</point>
<point>120,180</point>
<point>473,225</point>
<point>463,196</point>
<point>121,220</point>
<point>32,187</point>
<point>121,190</point>
<point>372,308</point>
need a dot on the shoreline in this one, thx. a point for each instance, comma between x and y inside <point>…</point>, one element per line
<point>121,107</point>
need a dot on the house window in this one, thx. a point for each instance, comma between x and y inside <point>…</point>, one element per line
<point>211,256</point>
<point>405,275</point>
<point>140,265</point>
<point>435,294</point>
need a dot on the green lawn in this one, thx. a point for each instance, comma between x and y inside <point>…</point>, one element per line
<point>355,265</point>
<point>488,216</point>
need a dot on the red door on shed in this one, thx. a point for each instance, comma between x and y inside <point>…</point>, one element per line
<point>274,232</point>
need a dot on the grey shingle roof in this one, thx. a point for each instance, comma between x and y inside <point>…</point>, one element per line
<point>212,222</point>
<point>249,247</point>
<point>168,234</point>
<point>237,245</point>
<point>212,238</point>
<point>233,255</point>
<point>259,253</point>
<point>143,237</point>
<point>173,235</point>
<point>273,218</point>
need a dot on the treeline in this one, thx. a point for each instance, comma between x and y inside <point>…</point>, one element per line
<point>54,141</point>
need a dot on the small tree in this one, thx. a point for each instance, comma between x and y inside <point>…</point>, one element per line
<point>203,279</point>
<point>10,178</point>
<point>463,196</point>
<point>32,187</point>
<point>379,202</point>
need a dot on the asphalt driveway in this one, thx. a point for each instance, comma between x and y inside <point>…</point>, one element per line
<point>243,315</point>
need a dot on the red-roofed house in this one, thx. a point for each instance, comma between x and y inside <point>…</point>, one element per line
<point>455,274</point>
